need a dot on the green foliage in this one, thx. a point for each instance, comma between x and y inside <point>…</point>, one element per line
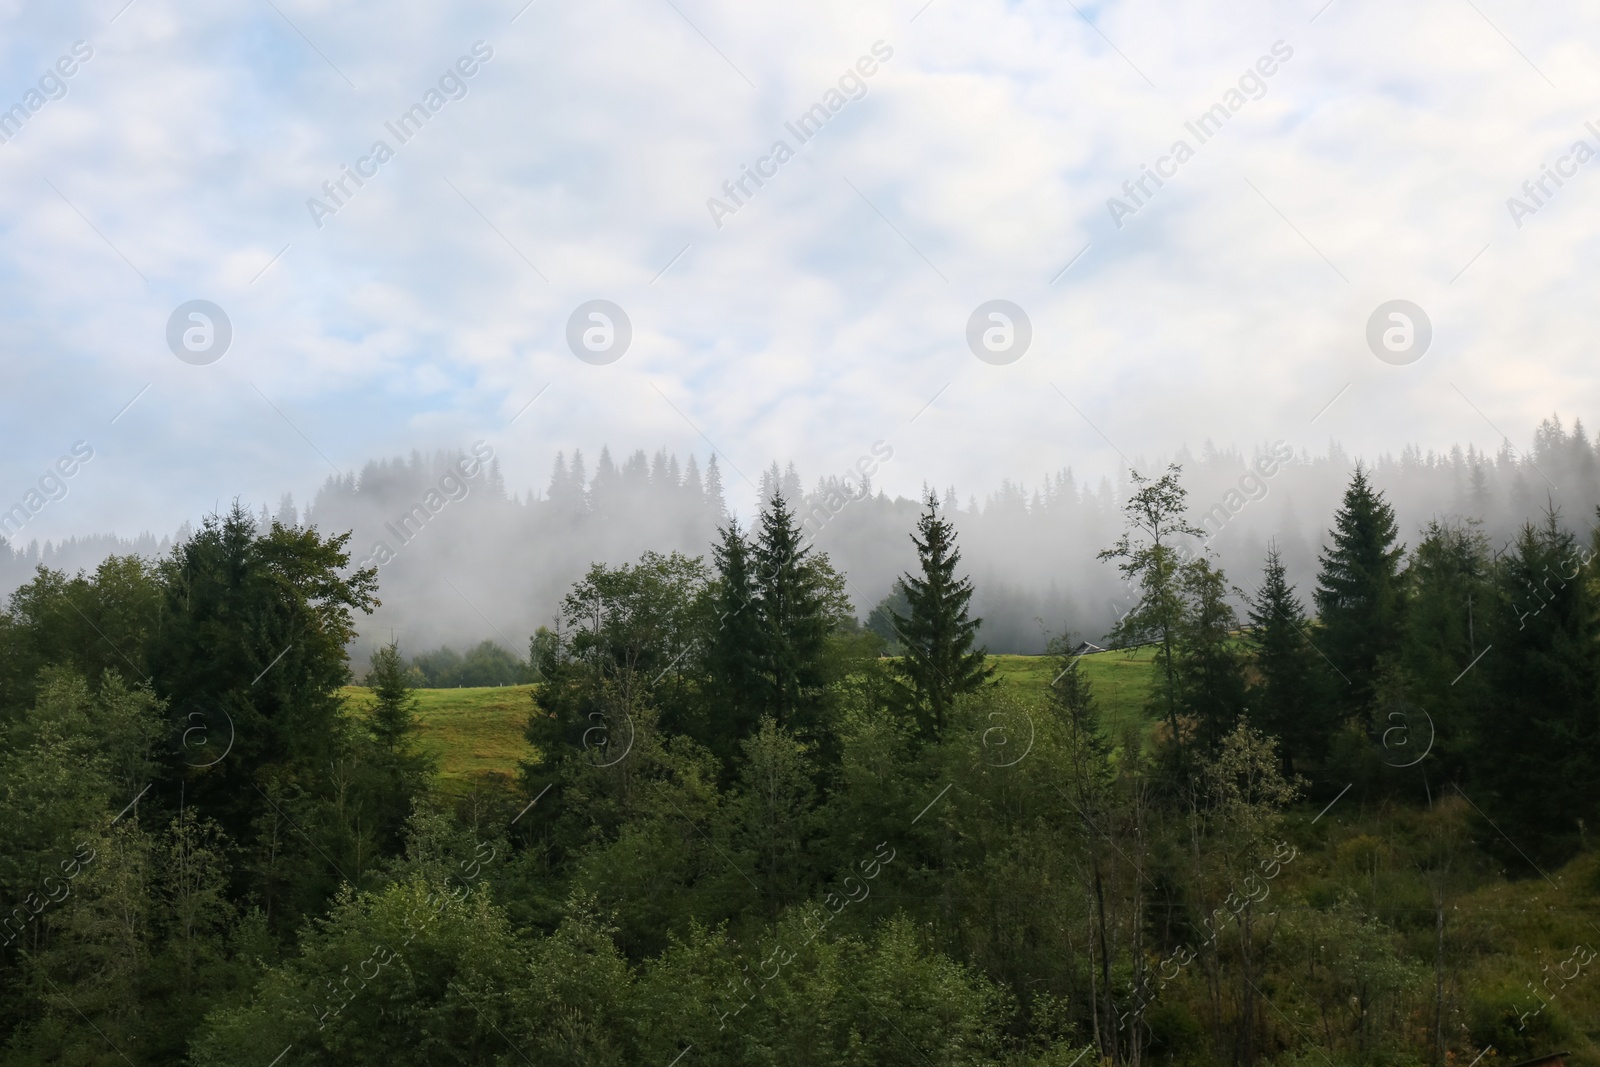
<point>1538,705</point>
<point>253,638</point>
<point>733,657</point>
<point>1283,696</point>
<point>393,717</point>
<point>1151,554</point>
<point>799,600</point>
<point>1451,602</point>
<point>484,664</point>
<point>1207,668</point>
<point>89,624</point>
<point>408,974</point>
<point>769,825</point>
<point>881,619</point>
<point>939,662</point>
<point>743,835</point>
<point>1360,596</point>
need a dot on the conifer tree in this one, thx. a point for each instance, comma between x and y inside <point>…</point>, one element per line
<point>715,504</point>
<point>1359,596</point>
<point>1283,700</point>
<point>1536,741</point>
<point>1449,602</point>
<point>939,663</point>
<point>793,621</point>
<point>394,709</point>
<point>398,773</point>
<point>1208,670</point>
<point>734,648</point>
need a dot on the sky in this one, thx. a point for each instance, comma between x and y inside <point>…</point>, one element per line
<point>992,154</point>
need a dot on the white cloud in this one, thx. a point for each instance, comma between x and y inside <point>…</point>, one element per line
<point>816,320</point>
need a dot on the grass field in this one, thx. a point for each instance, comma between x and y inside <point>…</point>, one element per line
<point>472,732</point>
<point>1121,681</point>
<point>478,732</point>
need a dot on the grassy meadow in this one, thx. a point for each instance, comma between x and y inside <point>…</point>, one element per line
<point>478,733</point>
<point>474,733</point>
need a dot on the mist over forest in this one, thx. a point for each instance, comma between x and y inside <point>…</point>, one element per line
<point>463,557</point>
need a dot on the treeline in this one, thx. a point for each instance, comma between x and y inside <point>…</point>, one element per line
<point>749,836</point>
<point>465,556</point>
<point>486,663</point>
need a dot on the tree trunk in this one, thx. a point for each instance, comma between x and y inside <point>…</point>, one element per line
<point>1438,983</point>
<point>1105,956</point>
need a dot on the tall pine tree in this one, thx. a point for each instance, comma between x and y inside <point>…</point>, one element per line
<point>1359,596</point>
<point>1208,669</point>
<point>394,708</point>
<point>939,663</point>
<point>1537,722</point>
<point>794,616</point>
<point>1283,697</point>
<point>1450,598</point>
<point>733,657</point>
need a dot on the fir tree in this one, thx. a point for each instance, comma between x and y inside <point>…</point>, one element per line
<point>394,709</point>
<point>715,504</point>
<point>1208,669</point>
<point>733,649</point>
<point>1358,595</point>
<point>1072,695</point>
<point>399,774</point>
<point>939,662</point>
<point>1283,699</point>
<point>793,622</point>
<point>1536,735</point>
<point>1450,600</point>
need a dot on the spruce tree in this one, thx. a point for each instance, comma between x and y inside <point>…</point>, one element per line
<point>1072,695</point>
<point>1359,596</point>
<point>1284,700</point>
<point>394,710</point>
<point>398,773</point>
<point>1208,669</point>
<point>716,506</point>
<point>1449,602</point>
<point>734,646</point>
<point>1537,721</point>
<point>793,622</point>
<point>939,662</point>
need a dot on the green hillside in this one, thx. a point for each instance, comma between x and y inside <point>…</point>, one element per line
<point>479,732</point>
<point>472,732</point>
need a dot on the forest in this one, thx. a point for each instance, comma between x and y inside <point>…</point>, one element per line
<point>466,556</point>
<point>1347,822</point>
